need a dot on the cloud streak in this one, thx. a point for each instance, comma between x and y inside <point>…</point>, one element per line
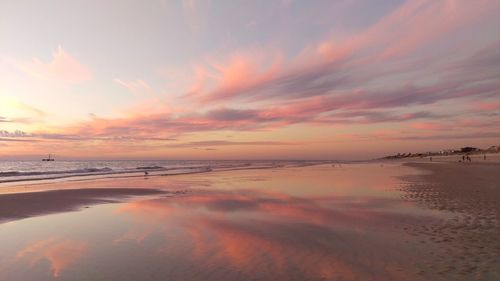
<point>63,68</point>
<point>329,68</point>
<point>222,143</point>
<point>426,70</point>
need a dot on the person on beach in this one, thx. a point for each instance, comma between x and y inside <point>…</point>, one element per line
<point>463,158</point>
<point>484,156</point>
<point>430,159</point>
<point>146,173</point>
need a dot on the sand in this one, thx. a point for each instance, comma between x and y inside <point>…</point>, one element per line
<point>468,243</point>
<point>465,245</point>
<point>15,206</point>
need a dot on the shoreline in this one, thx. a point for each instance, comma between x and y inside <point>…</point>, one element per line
<point>6,182</point>
<point>25,199</point>
<point>468,244</point>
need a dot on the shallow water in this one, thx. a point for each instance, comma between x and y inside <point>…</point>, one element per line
<point>307,223</point>
<point>21,171</point>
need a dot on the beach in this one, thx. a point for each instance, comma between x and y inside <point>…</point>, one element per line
<point>399,221</point>
<point>469,241</point>
<point>203,140</point>
<point>31,204</point>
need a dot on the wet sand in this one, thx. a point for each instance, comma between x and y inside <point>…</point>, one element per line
<point>15,206</point>
<point>313,223</point>
<point>299,223</point>
<point>468,244</point>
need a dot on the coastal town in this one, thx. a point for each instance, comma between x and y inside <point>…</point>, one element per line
<point>467,150</point>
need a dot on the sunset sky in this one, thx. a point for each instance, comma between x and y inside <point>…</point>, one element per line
<point>288,79</point>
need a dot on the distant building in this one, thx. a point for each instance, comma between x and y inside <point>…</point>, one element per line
<point>447,151</point>
<point>468,149</point>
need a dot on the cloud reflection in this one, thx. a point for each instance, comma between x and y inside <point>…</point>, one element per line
<point>270,233</point>
<point>60,253</point>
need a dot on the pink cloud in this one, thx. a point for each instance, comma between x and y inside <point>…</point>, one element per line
<point>430,126</point>
<point>384,74</point>
<point>417,23</point>
<point>63,68</point>
<point>240,72</point>
<point>489,106</point>
<point>348,64</point>
<point>199,85</point>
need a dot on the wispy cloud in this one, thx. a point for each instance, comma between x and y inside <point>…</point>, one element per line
<point>63,68</point>
<point>19,112</point>
<point>221,143</point>
<point>137,87</point>
<point>194,14</point>
<point>16,140</point>
<point>347,73</point>
<point>424,70</point>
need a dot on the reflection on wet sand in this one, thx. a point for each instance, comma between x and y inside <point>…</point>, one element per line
<point>311,223</point>
<point>59,253</point>
<point>273,234</point>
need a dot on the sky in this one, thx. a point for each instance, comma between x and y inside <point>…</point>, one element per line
<point>289,79</point>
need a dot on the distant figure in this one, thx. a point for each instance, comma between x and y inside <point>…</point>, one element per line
<point>484,157</point>
<point>430,159</point>
<point>146,173</point>
<point>463,158</point>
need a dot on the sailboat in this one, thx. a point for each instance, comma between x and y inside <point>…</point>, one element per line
<point>48,159</point>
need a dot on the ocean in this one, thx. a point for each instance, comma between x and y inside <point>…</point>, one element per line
<point>20,171</point>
